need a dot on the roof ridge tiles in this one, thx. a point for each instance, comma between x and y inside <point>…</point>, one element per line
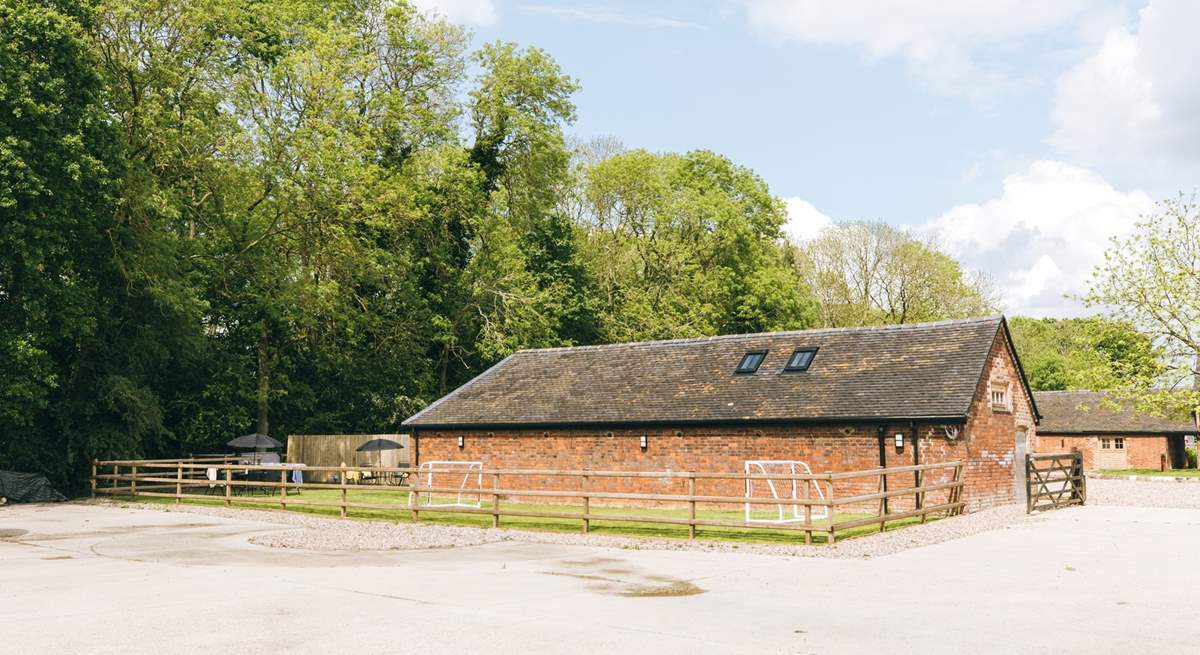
<point>783,333</point>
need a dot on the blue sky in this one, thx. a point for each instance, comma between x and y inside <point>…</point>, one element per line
<point>1021,136</point>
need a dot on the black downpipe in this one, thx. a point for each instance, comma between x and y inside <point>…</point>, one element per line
<point>883,462</point>
<point>916,461</point>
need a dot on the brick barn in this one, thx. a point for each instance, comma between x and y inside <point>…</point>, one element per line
<point>837,399</point>
<point>1109,437</point>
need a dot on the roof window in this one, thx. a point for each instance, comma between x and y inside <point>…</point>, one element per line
<point>751,361</point>
<point>801,359</point>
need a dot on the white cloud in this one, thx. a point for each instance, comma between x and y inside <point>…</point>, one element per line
<point>804,220</point>
<point>940,40</point>
<point>1042,237</point>
<point>611,17</point>
<point>1136,99</point>
<point>470,12</point>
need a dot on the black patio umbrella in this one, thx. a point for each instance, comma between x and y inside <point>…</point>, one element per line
<point>378,446</point>
<point>256,441</point>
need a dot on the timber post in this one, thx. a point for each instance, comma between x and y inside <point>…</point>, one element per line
<point>342,481</point>
<point>587,504</point>
<point>495,500</point>
<point>692,506</point>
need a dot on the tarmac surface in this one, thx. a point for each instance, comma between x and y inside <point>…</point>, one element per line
<point>80,578</point>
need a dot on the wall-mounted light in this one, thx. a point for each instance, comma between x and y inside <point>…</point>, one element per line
<point>899,441</point>
<point>642,442</point>
<point>462,441</point>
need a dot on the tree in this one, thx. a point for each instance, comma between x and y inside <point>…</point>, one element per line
<point>1151,280</point>
<point>873,273</point>
<point>1084,353</point>
<point>77,356</point>
<point>685,245</point>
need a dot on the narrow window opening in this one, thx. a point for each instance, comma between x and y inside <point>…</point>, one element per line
<point>751,361</point>
<point>1000,397</point>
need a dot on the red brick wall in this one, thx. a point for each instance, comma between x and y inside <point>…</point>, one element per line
<point>986,444</point>
<point>1055,443</point>
<point>1142,452</point>
<point>720,450</point>
<point>992,434</point>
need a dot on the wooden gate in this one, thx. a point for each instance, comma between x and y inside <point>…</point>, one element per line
<point>1054,480</point>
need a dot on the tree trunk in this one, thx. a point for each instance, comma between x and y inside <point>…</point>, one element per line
<point>1195,412</point>
<point>264,383</point>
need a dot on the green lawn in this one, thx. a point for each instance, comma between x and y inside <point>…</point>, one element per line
<point>624,528</point>
<point>1170,473</point>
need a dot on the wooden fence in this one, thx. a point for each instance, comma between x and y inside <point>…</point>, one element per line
<point>1054,480</point>
<point>326,450</point>
<point>221,480</point>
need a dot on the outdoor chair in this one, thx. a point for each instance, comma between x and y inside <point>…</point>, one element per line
<point>211,474</point>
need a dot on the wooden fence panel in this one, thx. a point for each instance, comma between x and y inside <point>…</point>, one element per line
<point>230,482</point>
<point>334,449</point>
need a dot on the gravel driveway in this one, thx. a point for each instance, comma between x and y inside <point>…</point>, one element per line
<point>1137,493</point>
<point>331,534</point>
<point>328,534</point>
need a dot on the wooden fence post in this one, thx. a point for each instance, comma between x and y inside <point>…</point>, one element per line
<point>883,501</point>
<point>692,506</point>
<point>95,465</point>
<point>807,512</point>
<point>178,481</point>
<point>587,503</point>
<point>1028,483</point>
<point>829,495</point>
<point>228,486</point>
<point>958,478</point>
<point>342,480</point>
<point>415,498</point>
<point>133,481</point>
<point>282,488</point>
<point>1077,470</point>
<point>495,500</point>
<point>920,479</point>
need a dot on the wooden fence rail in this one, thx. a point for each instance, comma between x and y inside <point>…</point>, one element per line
<point>214,478</point>
<point>1054,480</point>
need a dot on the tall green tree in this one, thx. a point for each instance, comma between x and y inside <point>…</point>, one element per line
<point>78,354</point>
<point>1084,353</point>
<point>1151,280</point>
<point>871,273</point>
<point>687,245</point>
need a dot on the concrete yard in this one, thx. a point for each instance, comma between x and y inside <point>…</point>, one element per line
<point>80,578</point>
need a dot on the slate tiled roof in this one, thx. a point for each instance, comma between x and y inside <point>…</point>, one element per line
<point>898,372</point>
<point>1082,412</point>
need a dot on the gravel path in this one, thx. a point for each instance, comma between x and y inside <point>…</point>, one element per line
<point>330,534</point>
<point>1137,493</point>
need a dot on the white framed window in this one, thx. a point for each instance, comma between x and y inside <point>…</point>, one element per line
<point>1106,444</point>
<point>1119,443</point>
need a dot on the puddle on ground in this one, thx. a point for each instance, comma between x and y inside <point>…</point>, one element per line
<point>624,580</point>
<point>593,561</point>
<point>676,588</point>
<point>10,533</point>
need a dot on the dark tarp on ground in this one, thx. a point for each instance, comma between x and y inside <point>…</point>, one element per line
<point>27,488</point>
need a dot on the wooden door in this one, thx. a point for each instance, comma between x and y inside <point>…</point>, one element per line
<point>1112,454</point>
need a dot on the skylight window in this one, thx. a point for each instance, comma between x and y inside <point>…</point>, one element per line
<point>801,359</point>
<point>751,361</point>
